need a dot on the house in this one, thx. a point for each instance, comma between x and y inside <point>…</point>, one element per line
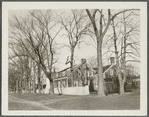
<point>82,74</point>
<point>110,78</point>
<point>85,79</point>
<point>136,82</point>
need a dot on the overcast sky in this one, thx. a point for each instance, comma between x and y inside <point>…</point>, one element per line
<point>84,51</point>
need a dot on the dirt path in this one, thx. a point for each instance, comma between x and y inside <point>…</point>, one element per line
<point>18,100</point>
<point>41,103</point>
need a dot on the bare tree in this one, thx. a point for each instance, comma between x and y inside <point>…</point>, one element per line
<point>36,34</point>
<point>126,37</point>
<point>130,40</point>
<point>20,62</point>
<point>19,57</point>
<point>121,91</point>
<point>76,27</point>
<point>92,61</point>
<point>16,75</point>
<point>99,37</point>
<point>100,33</point>
<point>34,73</point>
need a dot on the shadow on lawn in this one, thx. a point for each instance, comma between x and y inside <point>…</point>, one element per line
<point>128,101</point>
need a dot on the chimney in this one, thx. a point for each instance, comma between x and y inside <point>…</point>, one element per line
<point>112,59</point>
<point>83,60</point>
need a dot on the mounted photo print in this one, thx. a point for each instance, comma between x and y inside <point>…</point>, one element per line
<point>74,58</point>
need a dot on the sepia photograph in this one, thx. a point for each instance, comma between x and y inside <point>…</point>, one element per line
<point>74,60</point>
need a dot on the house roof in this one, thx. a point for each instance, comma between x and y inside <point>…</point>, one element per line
<point>69,68</point>
<point>75,67</point>
<point>78,65</point>
<point>104,68</point>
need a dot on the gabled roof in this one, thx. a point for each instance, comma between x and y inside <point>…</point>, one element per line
<point>105,68</point>
<point>75,67</point>
<point>68,68</point>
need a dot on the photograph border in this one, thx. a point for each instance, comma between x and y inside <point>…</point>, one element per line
<point>76,5</point>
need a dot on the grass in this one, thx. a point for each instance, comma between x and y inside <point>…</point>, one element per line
<point>40,97</point>
<point>22,106</point>
<point>128,101</point>
<point>111,102</point>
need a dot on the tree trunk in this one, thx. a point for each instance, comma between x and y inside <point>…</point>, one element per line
<point>71,65</point>
<point>100,70</point>
<point>51,87</point>
<point>121,83</point>
<point>34,89</point>
<point>20,86</point>
<point>51,90</point>
<point>16,85</point>
<point>29,86</point>
<point>124,54</point>
<point>39,84</point>
<point>29,76</point>
<point>121,87</point>
<point>20,83</point>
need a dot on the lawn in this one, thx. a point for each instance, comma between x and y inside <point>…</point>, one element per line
<point>40,97</point>
<point>128,101</point>
<point>23,106</point>
<point>111,102</point>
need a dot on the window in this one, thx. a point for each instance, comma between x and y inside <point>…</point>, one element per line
<point>44,86</point>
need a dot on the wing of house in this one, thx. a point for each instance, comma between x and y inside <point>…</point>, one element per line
<point>109,73</point>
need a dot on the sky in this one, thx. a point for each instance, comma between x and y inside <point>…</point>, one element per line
<point>84,51</point>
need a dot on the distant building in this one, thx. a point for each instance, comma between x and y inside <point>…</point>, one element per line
<point>136,82</point>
